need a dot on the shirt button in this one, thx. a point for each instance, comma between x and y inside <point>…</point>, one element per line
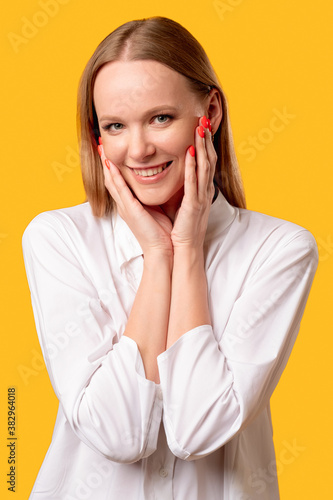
<point>163,472</point>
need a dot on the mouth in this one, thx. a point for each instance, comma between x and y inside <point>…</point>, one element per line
<point>149,172</point>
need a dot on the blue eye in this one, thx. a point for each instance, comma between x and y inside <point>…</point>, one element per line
<point>116,126</point>
<point>163,118</point>
<point>113,127</point>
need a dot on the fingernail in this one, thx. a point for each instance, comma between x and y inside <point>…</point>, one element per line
<point>107,164</point>
<point>204,122</point>
<point>99,148</point>
<point>201,131</point>
<point>191,150</point>
<point>209,126</point>
<point>100,140</point>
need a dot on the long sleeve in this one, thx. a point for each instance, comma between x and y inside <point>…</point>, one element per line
<point>97,374</point>
<point>217,379</point>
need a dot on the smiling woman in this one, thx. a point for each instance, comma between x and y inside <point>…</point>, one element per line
<point>147,43</point>
<point>185,305</point>
<point>148,138</point>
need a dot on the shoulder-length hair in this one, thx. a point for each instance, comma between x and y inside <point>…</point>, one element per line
<point>167,42</point>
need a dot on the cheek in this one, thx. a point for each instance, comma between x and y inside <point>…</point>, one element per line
<point>177,141</point>
<point>113,150</point>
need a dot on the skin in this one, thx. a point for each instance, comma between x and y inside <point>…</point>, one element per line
<point>168,217</point>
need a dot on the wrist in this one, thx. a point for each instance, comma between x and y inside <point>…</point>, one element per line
<point>189,255</point>
<point>158,260</point>
<point>189,264</point>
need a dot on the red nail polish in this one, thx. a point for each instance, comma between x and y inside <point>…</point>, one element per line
<point>99,148</point>
<point>100,140</point>
<point>201,131</point>
<point>107,163</point>
<point>209,126</point>
<point>191,150</point>
<point>204,122</point>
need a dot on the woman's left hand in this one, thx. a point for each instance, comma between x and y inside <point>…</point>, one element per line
<point>192,216</point>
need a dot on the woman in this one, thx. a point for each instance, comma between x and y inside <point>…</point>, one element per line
<point>166,311</point>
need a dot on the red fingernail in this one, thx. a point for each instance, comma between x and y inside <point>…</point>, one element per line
<point>191,150</point>
<point>204,122</point>
<point>209,126</point>
<point>107,164</point>
<point>201,131</point>
<point>99,148</point>
<point>100,140</point>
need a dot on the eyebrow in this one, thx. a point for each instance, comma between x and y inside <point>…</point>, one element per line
<point>158,109</point>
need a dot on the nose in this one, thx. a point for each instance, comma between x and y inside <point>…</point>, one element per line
<point>140,145</point>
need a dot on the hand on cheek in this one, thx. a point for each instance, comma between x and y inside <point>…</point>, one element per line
<point>105,162</point>
<point>150,225</point>
<point>191,221</point>
<point>113,179</point>
<point>206,160</point>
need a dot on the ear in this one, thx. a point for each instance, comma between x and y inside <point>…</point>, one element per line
<point>214,109</point>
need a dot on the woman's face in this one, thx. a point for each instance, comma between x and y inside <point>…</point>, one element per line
<point>147,117</point>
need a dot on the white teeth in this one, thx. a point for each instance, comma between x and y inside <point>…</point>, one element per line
<point>148,172</point>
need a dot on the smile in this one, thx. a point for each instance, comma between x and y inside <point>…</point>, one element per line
<point>148,172</point>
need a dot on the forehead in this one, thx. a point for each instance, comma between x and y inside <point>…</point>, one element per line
<point>134,83</point>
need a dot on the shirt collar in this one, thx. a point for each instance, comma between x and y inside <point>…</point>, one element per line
<point>127,246</point>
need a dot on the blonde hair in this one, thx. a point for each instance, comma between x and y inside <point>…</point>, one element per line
<point>167,42</point>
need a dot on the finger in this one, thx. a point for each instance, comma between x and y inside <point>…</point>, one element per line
<point>105,166</point>
<point>111,186</point>
<point>115,181</point>
<point>190,175</point>
<point>129,206</point>
<point>211,153</point>
<point>100,150</point>
<point>113,178</point>
<point>203,164</point>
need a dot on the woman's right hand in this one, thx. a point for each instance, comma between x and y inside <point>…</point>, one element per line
<point>151,227</point>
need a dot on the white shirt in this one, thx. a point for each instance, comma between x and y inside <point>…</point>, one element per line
<point>204,432</point>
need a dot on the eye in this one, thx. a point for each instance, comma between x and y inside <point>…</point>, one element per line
<point>113,127</point>
<point>162,118</point>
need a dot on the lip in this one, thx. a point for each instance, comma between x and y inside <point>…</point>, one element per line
<point>153,178</point>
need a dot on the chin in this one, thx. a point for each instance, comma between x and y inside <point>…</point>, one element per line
<point>159,199</point>
<point>152,201</point>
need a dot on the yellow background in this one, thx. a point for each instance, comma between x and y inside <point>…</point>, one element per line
<point>271,56</point>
